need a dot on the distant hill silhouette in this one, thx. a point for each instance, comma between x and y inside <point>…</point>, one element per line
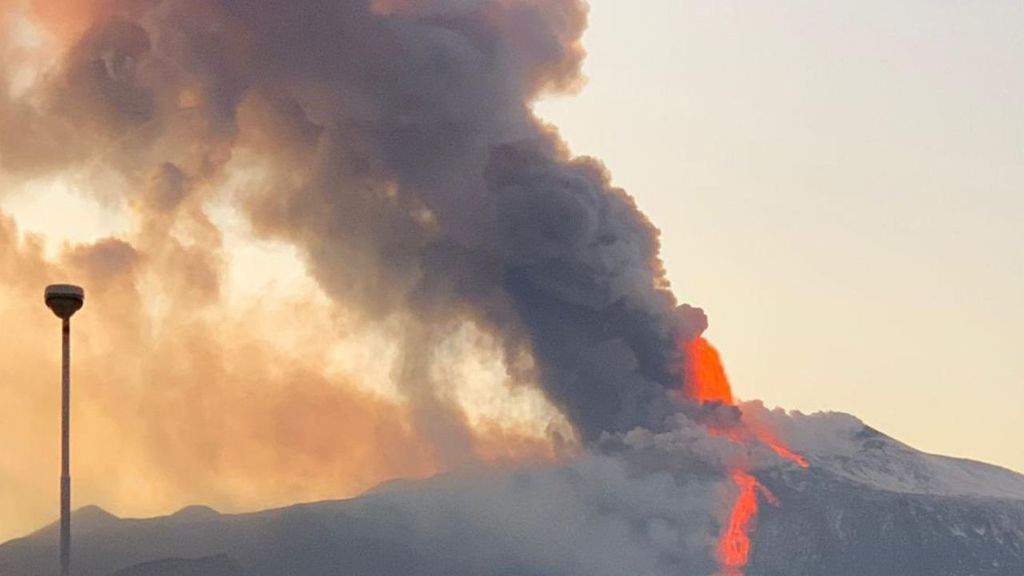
<point>219,565</point>
<point>868,505</point>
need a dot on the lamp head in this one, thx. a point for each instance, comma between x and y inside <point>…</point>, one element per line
<point>64,299</point>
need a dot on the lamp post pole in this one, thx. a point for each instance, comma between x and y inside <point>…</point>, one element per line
<point>65,300</point>
<point>65,449</point>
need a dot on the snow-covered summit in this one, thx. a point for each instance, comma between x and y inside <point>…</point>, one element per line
<point>846,446</point>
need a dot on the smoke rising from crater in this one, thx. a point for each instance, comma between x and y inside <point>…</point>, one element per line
<point>393,143</point>
<point>400,153</point>
<point>428,186</point>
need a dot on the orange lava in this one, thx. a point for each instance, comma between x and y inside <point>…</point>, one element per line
<point>734,544</point>
<point>705,374</point>
<point>707,383</point>
<point>769,440</point>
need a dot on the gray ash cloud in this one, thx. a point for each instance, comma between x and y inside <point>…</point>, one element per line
<point>401,155</point>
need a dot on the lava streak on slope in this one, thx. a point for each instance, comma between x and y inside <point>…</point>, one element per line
<point>734,544</point>
<point>708,385</point>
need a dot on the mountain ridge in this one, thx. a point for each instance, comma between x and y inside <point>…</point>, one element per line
<point>867,504</point>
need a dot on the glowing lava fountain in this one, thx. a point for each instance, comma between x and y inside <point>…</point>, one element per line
<point>708,384</point>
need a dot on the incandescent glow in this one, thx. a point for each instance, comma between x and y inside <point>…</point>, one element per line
<point>734,544</point>
<point>705,373</point>
<point>707,383</point>
<point>768,439</point>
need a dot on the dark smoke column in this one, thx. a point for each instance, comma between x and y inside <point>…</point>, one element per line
<point>65,300</point>
<point>404,159</point>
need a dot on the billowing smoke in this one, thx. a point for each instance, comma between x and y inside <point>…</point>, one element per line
<point>409,167</point>
<point>429,187</point>
<point>400,153</point>
<point>392,142</point>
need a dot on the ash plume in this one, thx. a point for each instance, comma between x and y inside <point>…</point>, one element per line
<point>392,142</point>
<point>401,155</point>
<point>433,188</point>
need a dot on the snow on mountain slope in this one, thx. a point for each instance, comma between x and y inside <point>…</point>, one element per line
<point>845,446</point>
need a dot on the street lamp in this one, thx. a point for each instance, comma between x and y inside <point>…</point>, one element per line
<point>65,300</point>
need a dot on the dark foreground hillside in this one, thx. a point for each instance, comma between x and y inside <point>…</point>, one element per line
<point>868,505</point>
<point>825,526</point>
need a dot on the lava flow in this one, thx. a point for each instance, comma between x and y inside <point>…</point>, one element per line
<point>708,384</point>
<point>734,544</point>
<point>705,373</point>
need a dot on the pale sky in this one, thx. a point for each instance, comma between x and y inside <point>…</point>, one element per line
<point>841,186</point>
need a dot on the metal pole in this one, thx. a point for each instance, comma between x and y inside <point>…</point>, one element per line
<point>65,451</point>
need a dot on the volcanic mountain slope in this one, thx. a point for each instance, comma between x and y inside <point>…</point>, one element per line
<point>872,505</point>
<point>219,565</point>
<point>867,505</point>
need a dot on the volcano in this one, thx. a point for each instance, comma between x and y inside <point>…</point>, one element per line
<point>393,148</point>
<point>866,504</point>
